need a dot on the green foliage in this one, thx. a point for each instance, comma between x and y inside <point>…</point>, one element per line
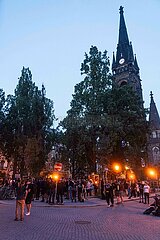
<point>83,120</point>
<point>102,117</point>
<point>28,125</point>
<point>90,93</point>
<point>127,123</point>
<point>2,115</point>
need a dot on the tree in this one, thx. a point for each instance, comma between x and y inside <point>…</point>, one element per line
<point>2,115</point>
<point>83,120</point>
<point>103,118</point>
<point>29,125</point>
<point>126,125</point>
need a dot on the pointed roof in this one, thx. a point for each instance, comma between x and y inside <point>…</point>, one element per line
<point>154,119</point>
<point>123,36</point>
<point>114,61</point>
<point>130,53</point>
<point>123,47</point>
<point>136,63</point>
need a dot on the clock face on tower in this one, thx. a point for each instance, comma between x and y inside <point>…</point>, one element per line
<point>121,61</point>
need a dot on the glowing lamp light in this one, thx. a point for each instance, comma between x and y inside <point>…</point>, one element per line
<point>132,176</point>
<point>55,176</point>
<point>116,167</point>
<point>152,173</point>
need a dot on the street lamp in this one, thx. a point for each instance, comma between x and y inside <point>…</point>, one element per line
<point>117,168</point>
<point>56,177</point>
<point>132,176</point>
<point>152,173</point>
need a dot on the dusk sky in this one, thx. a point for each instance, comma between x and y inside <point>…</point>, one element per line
<point>51,36</point>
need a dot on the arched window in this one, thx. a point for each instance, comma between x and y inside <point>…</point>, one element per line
<point>156,154</point>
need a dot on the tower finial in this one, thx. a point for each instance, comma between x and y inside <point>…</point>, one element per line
<point>151,94</point>
<point>121,9</point>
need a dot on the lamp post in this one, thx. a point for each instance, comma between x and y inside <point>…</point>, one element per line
<point>56,177</point>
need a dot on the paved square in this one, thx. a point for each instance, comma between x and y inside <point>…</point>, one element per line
<point>80,222</point>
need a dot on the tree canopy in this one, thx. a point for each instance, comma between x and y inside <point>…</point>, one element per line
<point>104,123</point>
<point>28,132</point>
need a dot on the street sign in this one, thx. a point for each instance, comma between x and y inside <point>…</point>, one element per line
<point>58,167</point>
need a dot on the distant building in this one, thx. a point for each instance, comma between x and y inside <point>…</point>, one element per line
<point>154,137</point>
<point>125,70</point>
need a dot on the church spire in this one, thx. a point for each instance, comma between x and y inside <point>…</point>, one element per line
<point>123,36</point>
<point>124,66</point>
<point>123,41</point>
<point>154,119</point>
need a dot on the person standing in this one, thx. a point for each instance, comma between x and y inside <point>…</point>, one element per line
<point>60,192</point>
<point>29,197</point>
<point>102,189</point>
<point>109,194</point>
<point>20,200</point>
<point>74,191</point>
<point>121,191</point>
<point>52,189</point>
<point>141,186</point>
<point>146,190</point>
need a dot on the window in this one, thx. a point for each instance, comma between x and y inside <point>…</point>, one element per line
<point>154,134</point>
<point>156,154</point>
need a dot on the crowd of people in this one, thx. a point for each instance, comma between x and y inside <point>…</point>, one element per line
<point>120,188</point>
<point>50,191</point>
<point>54,192</point>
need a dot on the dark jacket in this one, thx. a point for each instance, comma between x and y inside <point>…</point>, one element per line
<point>20,192</point>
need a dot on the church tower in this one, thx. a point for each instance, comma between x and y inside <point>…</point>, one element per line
<point>154,137</point>
<point>124,66</point>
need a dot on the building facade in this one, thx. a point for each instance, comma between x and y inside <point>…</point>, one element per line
<point>125,70</point>
<point>154,137</point>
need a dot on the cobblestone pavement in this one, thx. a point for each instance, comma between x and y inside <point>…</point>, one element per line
<point>91,221</point>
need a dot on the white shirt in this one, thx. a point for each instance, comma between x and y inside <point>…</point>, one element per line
<point>146,188</point>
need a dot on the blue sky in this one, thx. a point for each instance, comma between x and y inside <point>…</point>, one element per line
<point>51,36</point>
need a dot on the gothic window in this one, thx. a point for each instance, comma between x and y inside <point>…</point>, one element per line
<point>154,134</point>
<point>156,154</point>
